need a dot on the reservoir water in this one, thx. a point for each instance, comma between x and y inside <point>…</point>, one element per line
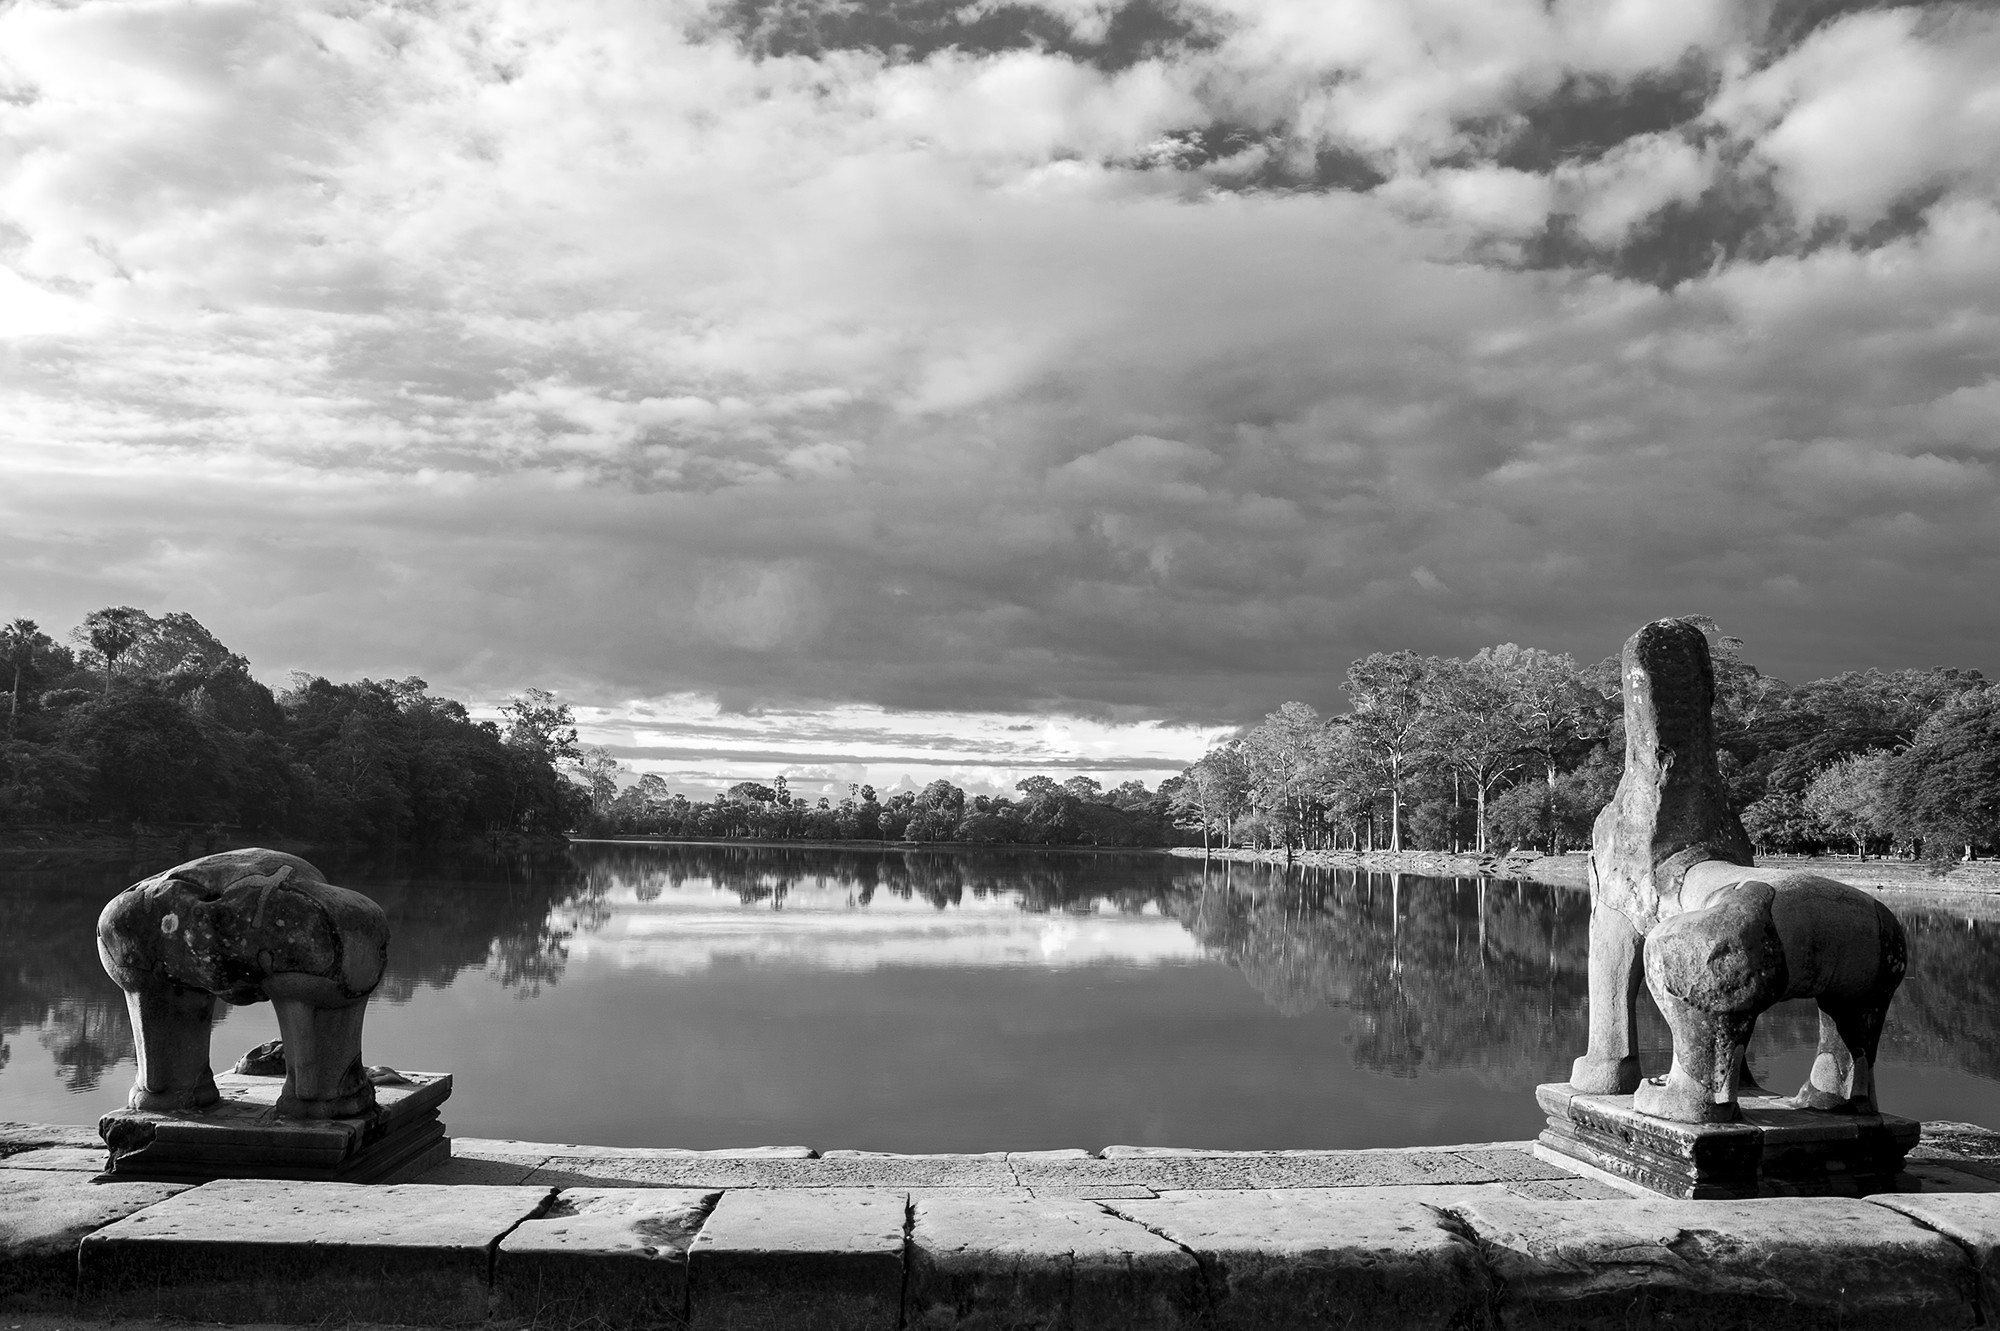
<point>730,995</point>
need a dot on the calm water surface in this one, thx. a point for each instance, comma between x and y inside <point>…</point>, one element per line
<point>709,996</point>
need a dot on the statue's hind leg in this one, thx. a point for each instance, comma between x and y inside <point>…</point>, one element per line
<point>1746,1080</point>
<point>1843,1071</point>
<point>1850,1027</point>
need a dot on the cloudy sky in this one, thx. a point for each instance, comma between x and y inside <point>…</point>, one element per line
<point>997,385</point>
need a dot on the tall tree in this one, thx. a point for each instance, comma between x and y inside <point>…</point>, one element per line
<point>1284,757</point>
<point>542,724</point>
<point>1945,788</point>
<point>1476,729</point>
<point>111,632</point>
<point>20,643</point>
<point>1557,710</point>
<point>1389,700</point>
<point>1851,796</point>
<point>1214,791</point>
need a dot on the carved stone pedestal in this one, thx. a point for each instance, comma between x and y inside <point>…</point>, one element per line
<point>243,1136</point>
<point>1776,1151</point>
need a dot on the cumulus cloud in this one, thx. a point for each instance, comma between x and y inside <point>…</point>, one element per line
<point>1116,361</point>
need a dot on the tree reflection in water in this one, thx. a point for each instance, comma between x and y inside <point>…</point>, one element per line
<point>1438,974</point>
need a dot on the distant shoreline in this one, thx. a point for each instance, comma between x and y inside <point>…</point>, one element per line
<point>1973,888</point>
<point>1552,870</point>
<point>865,844</point>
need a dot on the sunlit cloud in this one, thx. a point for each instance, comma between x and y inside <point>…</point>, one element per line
<point>699,747</point>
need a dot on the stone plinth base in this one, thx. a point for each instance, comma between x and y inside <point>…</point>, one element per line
<point>243,1137</point>
<point>1776,1151</point>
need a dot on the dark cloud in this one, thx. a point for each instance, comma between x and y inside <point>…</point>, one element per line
<point>1790,22</point>
<point>1588,115</point>
<point>1741,218</point>
<point>916,29</point>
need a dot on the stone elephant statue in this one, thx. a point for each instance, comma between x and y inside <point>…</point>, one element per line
<point>1674,895</point>
<point>245,926</point>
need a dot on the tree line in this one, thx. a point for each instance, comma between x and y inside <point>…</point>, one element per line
<point>1076,812</point>
<point>144,720</point>
<point>1521,747</point>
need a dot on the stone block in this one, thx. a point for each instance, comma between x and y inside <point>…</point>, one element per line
<point>1094,1192</point>
<point>615,1255</point>
<point>481,1171</point>
<point>736,1172</point>
<point>1275,1260</point>
<point>1775,1150</point>
<point>1970,1219</point>
<point>44,1214</point>
<point>1770,1264</point>
<point>1947,1140</point>
<point>819,1260</point>
<point>1059,1153</point>
<point>266,1250</point>
<point>64,1159</point>
<point>483,1146</point>
<point>243,1136</point>
<point>16,1137</point>
<point>998,1264</point>
<point>1306,1169</point>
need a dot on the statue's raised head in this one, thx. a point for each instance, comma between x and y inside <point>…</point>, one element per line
<point>1671,810</point>
<point>245,926</point>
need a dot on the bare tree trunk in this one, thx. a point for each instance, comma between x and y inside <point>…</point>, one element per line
<point>1554,846</point>
<point>1457,803</point>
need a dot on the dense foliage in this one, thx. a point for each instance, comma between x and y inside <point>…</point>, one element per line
<point>145,720</point>
<point>1520,747</point>
<point>1077,812</point>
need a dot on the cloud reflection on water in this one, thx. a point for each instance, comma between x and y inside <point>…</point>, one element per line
<point>691,931</point>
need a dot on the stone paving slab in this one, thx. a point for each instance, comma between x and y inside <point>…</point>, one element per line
<point>317,1252</point>
<point>1267,1236</point>
<point>1172,1152</point>
<point>1315,1170</point>
<point>1771,1263</point>
<point>913,1155</point>
<point>1970,1220</point>
<point>16,1137</point>
<point>489,1171</point>
<point>501,1146</point>
<point>66,1159</point>
<point>44,1214</point>
<point>1944,1139</point>
<point>732,1172</point>
<point>1093,1192</point>
<point>618,1256</point>
<point>1957,1176</point>
<point>827,1260</point>
<point>1294,1258</point>
<point>1006,1263</point>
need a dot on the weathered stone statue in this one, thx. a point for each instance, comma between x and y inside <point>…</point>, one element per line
<point>1672,881</point>
<point>245,926</point>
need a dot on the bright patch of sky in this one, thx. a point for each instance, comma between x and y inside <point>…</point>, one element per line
<point>699,748</point>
